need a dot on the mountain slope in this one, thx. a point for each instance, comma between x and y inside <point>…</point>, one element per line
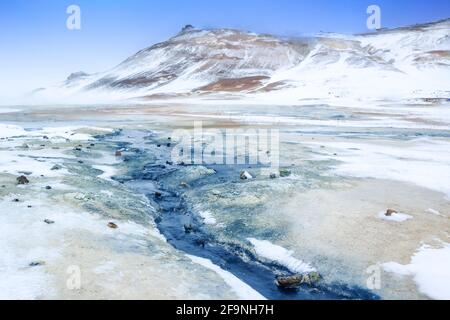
<point>390,64</point>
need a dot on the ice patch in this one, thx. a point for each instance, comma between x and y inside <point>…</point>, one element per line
<point>284,257</point>
<point>207,217</point>
<point>435,212</point>
<point>243,290</point>
<point>430,269</point>
<point>396,217</point>
<point>108,171</point>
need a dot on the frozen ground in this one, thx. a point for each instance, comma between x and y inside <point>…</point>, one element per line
<point>348,165</point>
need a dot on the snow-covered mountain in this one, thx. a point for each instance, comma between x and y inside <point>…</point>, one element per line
<point>404,63</point>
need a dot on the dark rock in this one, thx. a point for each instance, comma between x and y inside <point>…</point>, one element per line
<point>170,163</point>
<point>158,194</point>
<point>48,188</point>
<point>168,145</point>
<point>22,180</point>
<point>273,176</point>
<point>48,221</point>
<point>37,263</point>
<point>118,153</point>
<point>56,167</point>
<point>80,161</point>
<point>289,282</point>
<point>188,228</point>
<point>390,212</point>
<point>92,144</point>
<point>45,137</point>
<point>158,145</point>
<point>16,200</point>
<point>112,225</point>
<point>294,281</point>
<point>77,149</point>
<point>285,173</point>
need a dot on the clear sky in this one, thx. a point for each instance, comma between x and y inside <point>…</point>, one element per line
<point>37,49</point>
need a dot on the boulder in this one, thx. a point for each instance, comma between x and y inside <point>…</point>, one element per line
<point>390,212</point>
<point>112,225</point>
<point>22,180</point>
<point>285,173</point>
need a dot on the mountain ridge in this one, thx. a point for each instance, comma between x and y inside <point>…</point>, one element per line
<point>230,63</point>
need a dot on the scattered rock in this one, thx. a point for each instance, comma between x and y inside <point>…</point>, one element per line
<point>37,263</point>
<point>25,146</point>
<point>56,167</point>
<point>188,228</point>
<point>289,282</point>
<point>48,221</point>
<point>92,144</point>
<point>390,212</point>
<point>168,145</point>
<point>80,161</point>
<point>158,194</point>
<point>29,206</point>
<point>78,149</point>
<point>16,200</point>
<point>45,137</point>
<point>285,173</point>
<point>294,281</point>
<point>170,163</point>
<point>22,180</point>
<point>246,176</point>
<point>118,153</point>
<point>273,176</point>
<point>48,188</point>
<point>112,225</point>
<point>158,145</point>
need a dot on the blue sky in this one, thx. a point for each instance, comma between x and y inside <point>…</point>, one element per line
<point>37,49</point>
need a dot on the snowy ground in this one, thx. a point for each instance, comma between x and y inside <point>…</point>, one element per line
<point>349,165</point>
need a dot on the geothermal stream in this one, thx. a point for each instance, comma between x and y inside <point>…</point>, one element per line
<point>185,230</point>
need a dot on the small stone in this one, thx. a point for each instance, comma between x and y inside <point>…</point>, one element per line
<point>22,180</point>
<point>285,173</point>
<point>29,207</point>
<point>77,149</point>
<point>118,153</point>
<point>48,188</point>
<point>37,263</point>
<point>245,175</point>
<point>158,194</point>
<point>168,145</point>
<point>16,200</point>
<point>112,225</point>
<point>289,282</point>
<point>48,221</point>
<point>188,228</point>
<point>273,176</point>
<point>56,167</point>
<point>45,137</point>
<point>390,212</point>
<point>80,161</point>
<point>170,163</point>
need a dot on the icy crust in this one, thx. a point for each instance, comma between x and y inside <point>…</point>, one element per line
<point>280,255</point>
<point>430,269</point>
<point>59,225</point>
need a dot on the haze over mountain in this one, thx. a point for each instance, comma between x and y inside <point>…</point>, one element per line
<point>404,63</point>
